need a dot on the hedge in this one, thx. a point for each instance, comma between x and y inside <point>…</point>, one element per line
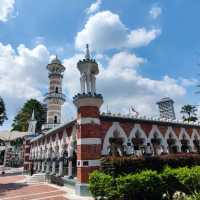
<point>127,165</point>
<point>146,185</point>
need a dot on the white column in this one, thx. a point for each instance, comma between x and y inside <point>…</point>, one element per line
<point>53,167</point>
<point>38,168</point>
<point>94,83</point>
<point>93,87</point>
<point>70,169</point>
<point>88,83</point>
<point>60,168</point>
<point>43,166</point>
<point>34,165</point>
<point>83,80</point>
<point>48,167</point>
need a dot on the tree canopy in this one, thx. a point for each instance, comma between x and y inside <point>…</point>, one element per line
<point>189,112</point>
<point>21,120</point>
<point>3,115</point>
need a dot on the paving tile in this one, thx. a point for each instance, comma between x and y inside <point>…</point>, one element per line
<point>11,189</point>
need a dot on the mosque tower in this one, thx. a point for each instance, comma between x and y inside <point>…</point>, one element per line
<point>54,98</point>
<point>88,104</point>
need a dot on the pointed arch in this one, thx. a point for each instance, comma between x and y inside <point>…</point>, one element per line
<point>182,133</point>
<point>163,144</point>
<point>185,135</point>
<point>115,127</point>
<point>64,142</point>
<point>195,133</point>
<point>171,132</point>
<point>155,130</point>
<point>72,141</point>
<point>137,128</point>
<point>195,141</point>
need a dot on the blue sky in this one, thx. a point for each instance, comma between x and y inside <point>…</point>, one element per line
<point>146,50</point>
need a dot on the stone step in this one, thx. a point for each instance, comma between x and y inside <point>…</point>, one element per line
<point>37,178</point>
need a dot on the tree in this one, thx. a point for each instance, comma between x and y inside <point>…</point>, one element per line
<point>21,120</point>
<point>190,112</point>
<point>3,115</point>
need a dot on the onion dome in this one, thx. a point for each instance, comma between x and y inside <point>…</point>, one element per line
<point>55,66</point>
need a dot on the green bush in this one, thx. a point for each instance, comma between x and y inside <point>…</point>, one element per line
<point>146,185</point>
<point>195,196</point>
<point>190,178</point>
<point>171,181</point>
<point>102,185</point>
<point>140,186</point>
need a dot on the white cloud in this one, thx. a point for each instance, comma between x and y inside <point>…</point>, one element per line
<point>189,82</point>
<point>125,87</point>
<point>104,30</point>
<point>142,37</point>
<point>94,7</point>
<point>6,8</point>
<point>155,11</point>
<point>23,75</point>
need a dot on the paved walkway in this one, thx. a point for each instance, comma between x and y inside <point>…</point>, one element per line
<point>14,188</point>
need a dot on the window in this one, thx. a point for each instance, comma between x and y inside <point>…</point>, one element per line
<point>56,89</point>
<point>55,120</point>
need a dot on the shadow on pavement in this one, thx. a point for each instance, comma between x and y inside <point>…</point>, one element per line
<point>7,187</point>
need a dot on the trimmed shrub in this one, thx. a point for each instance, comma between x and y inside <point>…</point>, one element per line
<point>195,196</point>
<point>132,164</point>
<point>102,185</point>
<point>140,186</point>
<point>146,185</point>
<point>171,181</point>
<point>190,178</point>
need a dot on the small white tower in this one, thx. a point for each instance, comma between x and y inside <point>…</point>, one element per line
<point>88,69</point>
<point>32,124</point>
<point>54,98</point>
<point>166,108</point>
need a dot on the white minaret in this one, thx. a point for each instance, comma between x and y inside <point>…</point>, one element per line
<point>32,124</point>
<point>88,69</point>
<point>54,98</point>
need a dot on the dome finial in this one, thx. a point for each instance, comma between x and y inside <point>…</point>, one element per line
<point>87,55</point>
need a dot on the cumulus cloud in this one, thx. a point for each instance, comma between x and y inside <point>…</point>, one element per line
<point>155,11</point>
<point>124,86</point>
<point>6,8</point>
<point>23,75</point>
<point>94,7</point>
<point>189,82</point>
<point>142,37</point>
<point>105,30</point>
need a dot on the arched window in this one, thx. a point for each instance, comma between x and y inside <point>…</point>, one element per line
<point>171,141</point>
<point>185,144</point>
<point>56,89</point>
<point>196,143</point>
<point>55,120</point>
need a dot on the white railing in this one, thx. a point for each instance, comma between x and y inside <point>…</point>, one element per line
<point>49,126</point>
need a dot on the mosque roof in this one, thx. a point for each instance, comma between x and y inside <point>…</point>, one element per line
<point>11,135</point>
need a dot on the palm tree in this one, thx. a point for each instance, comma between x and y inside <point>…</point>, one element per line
<point>190,112</point>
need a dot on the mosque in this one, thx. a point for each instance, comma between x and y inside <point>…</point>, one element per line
<point>74,149</point>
